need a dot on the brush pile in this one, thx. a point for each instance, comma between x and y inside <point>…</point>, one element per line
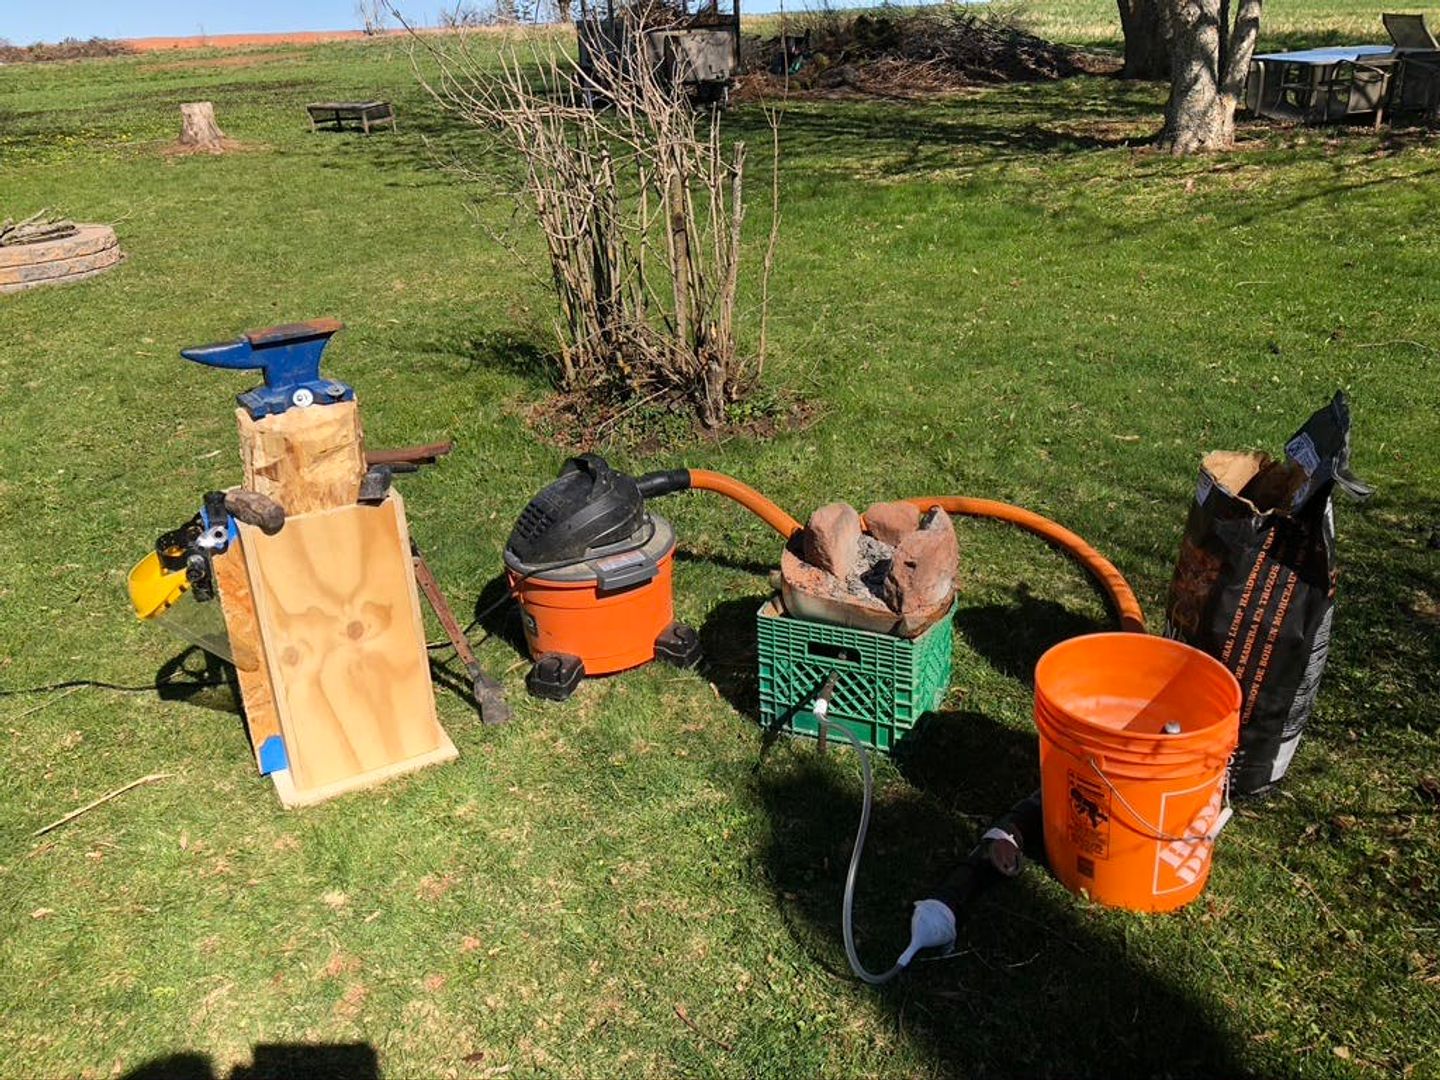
<point>35,229</point>
<point>908,52</point>
<point>69,49</point>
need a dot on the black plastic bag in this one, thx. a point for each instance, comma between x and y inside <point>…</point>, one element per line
<point>1255,583</point>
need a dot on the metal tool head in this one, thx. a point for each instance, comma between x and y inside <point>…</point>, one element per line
<point>289,359</point>
<point>375,484</point>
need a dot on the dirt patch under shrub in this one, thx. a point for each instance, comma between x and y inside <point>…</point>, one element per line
<point>579,423</point>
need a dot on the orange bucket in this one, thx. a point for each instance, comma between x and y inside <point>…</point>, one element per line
<point>1136,735</point>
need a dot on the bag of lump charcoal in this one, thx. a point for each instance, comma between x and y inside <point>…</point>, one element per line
<point>1255,583</point>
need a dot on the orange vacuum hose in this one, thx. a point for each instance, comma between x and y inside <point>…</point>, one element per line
<point>1102,569</point>
<point>748,497</point>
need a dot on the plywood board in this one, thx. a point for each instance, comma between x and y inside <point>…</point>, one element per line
<point>292,798</point>
<point>344,644</point>
<point>232,582</point>
<point>305,459</point>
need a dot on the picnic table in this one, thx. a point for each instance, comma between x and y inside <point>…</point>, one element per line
<point>1317,85</point>
<point>366,113</point>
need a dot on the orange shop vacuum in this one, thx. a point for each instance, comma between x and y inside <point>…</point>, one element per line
<point>591,568</point>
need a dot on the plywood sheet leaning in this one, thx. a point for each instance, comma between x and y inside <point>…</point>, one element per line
<point>232,582</point>
<point>305,459</point>
<point>344,644</point>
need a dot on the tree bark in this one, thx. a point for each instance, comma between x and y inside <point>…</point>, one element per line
<point>1147,53</point>
<point>1209,63</point>
<point>198,128</point>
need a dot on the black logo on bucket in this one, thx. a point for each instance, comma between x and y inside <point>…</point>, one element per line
<point>1089,817</point>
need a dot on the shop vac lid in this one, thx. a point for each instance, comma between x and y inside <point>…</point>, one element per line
<point>588,509</point>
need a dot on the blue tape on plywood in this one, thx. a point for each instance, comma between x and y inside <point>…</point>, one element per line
<point>272,756</point>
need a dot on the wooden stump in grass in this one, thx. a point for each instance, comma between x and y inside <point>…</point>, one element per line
<point>198,129</point>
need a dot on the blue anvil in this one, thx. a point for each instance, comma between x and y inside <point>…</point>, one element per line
<point>289,358</point>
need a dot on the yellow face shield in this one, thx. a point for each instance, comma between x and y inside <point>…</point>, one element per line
<point>159,594</point>
<point>153,589</point>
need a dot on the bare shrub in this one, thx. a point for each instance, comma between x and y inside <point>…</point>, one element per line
<point>470,15</point>
<point>640,204</point>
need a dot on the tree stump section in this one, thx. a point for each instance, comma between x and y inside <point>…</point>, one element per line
<point>198,129</point>
<point>305,459</point>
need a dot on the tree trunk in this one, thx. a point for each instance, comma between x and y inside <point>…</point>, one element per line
<point>1209,63</point>
<point>1147,53</point>
<point>198,128</point>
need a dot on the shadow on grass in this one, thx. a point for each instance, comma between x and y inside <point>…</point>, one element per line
<point>1033,990</point>
<point>428,142</point>
<point>719,558</point>
<point>1344,183</point>
<point>271,1061</point>
<point>1298,40</point>
<point>730,655</point>
<point>1003,124</point>
<point>1012,637</point>
<point>199,678</point>
<point>498,615</point>
<point>506,351</point>
<point>1385,651</point>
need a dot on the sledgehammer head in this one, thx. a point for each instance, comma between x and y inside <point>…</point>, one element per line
<point>289,359</point>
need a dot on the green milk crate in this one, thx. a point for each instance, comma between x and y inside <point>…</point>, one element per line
<point>883,684</point>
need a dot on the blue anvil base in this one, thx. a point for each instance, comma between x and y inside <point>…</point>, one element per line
<point>270,401</point>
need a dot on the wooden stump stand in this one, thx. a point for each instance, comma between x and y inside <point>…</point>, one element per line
<point>330,607</point>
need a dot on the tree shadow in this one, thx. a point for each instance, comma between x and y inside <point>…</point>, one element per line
<point>429,141</point>
<point>1250,211</point>
<point>1386,638</point>
<point>1012,637</point>
<point>1035,988</point>
<point>503,350</point>
<point>1298,40</point>
<point>997,125</point>
<point>271,1061</point>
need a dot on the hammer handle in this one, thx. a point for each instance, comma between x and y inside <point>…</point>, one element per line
<point>409,455</point>
<point>251,507</point>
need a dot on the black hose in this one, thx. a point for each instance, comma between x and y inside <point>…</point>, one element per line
<point>664,482</point>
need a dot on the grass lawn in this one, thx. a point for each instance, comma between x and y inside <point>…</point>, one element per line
<point>999,295</point>
<point>1301,23</point>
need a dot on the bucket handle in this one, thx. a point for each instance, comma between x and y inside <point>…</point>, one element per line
<point>1153,832</point>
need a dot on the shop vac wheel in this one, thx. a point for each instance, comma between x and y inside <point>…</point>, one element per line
<point>555,676</point>
<point>679,645</point>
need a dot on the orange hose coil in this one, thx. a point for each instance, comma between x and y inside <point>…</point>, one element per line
<point>748,497</point>
<point>1103,570</point>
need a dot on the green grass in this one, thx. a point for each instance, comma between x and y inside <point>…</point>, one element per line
<point>997,295</point>
<point>1284,23</point>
